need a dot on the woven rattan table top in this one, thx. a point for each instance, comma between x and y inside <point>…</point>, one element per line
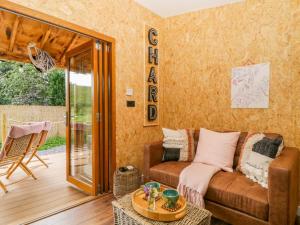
<point>195,215</point>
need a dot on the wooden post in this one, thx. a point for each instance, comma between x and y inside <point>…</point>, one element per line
<point>3,127</point>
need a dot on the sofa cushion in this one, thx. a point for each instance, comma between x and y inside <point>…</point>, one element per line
<point>239,145</point>
<point>168,172</point>
<point>217,148</point>
<point>236,191</point>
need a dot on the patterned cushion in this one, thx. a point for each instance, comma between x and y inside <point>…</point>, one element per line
<point>257,153</point>
<point>182,139</point>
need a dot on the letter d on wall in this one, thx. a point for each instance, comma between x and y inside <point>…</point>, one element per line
<point>152,112</point>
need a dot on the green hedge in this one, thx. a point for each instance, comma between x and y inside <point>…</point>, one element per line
<point>22,84</point>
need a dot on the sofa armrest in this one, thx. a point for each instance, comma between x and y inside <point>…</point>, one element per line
<point>283,187</point>
<point>153,153</point>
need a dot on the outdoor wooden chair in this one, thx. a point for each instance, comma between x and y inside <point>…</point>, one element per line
<point>15,148</point>
<point>40,140</point>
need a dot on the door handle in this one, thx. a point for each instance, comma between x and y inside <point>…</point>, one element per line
<point>98,117</point>
<point>65,116</point>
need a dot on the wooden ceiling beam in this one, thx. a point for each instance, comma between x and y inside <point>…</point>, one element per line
<point>1,15</point>
<point>14,34</point>
<point>69,46</point>
<point>45,38</point>
<point>11,56</point>
<point>4,54</point>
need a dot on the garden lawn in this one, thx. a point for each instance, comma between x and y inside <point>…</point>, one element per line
<point>53,142</point>
<point>50,143</point>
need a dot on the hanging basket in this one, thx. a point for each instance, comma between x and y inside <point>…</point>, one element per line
<point>40,58</point>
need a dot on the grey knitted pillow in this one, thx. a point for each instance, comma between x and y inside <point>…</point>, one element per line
<point>267,147</point>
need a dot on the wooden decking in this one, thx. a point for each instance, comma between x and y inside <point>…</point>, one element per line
<point>28,198</point>
<point>97,212</point>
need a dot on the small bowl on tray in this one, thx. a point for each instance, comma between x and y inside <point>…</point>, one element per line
<point>171,197</point>
<point>153,184</point>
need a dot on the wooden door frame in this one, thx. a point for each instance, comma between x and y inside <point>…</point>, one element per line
<point>60,23</point>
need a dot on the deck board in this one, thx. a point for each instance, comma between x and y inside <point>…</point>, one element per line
<point>97,212</point>
<point>28,198</point>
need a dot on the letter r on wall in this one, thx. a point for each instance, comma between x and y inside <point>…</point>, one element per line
<point>152,94</point>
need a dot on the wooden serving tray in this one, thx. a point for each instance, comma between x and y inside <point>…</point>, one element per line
<point>140,205</point>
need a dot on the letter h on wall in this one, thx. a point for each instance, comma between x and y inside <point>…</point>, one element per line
<point>152,54</point>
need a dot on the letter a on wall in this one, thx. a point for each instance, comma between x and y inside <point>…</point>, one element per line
<point>151,77</point>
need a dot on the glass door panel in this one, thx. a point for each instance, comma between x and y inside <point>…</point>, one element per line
<point>81,104</point>
<point>82,123</point>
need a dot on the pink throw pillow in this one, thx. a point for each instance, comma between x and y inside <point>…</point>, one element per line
<point>216,148</point>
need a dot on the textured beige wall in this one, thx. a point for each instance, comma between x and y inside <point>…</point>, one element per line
<point>16,114</point>
<point>201,48</point>
<point>124,20</point>
<point>295,68</point>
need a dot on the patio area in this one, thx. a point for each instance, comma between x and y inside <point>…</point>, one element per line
<point>28,199</point>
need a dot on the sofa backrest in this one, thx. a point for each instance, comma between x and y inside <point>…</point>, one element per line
<point>240,143</point>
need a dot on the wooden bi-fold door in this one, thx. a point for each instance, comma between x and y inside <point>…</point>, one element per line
<point>88,117</point>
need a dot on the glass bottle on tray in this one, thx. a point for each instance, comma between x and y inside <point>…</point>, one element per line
<point>153,194</point>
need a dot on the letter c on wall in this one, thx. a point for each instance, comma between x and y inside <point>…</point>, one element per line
<point>152,32</point>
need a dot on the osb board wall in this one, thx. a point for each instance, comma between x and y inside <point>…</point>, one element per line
<point>124,20</point>
<point>295,68</point>
<point>197,52</point>
<point>17,114</point>
<point>201,48</point>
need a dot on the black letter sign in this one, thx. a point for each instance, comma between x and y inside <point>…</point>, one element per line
<point>152,80</point>
<point>152,94</point>
<point>152,112</point>
<point>153,55</point>
<point>152,76</point>
<point>152,32</point>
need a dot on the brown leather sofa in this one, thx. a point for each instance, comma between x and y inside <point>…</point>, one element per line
<point>234,198</point>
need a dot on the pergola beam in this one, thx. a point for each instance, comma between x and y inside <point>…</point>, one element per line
<point>69,46</point>
<point>11,56</point>
<point>5,55</point>
<point>14,34</point>
<point>45,38</point>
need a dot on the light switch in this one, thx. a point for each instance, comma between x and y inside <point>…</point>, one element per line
<point>129,92</point>
<point>130,103</point>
